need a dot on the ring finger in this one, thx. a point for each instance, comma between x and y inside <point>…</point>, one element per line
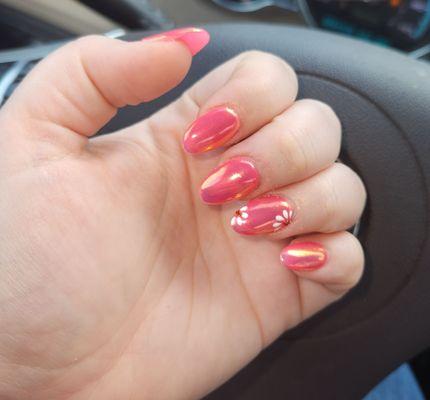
<point>329,201</point>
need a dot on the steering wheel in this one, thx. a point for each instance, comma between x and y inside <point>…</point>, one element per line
<point>382,98</point>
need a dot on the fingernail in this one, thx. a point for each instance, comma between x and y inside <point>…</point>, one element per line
<point>194,38</point>
<point>232,180</point>
<point>264,214</point>
<point>211,130</point>
<point>304,256</point>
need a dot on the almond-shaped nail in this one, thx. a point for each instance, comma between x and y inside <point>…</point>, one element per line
<point>194,38</point>
<point>232,180</point>
<point>211,130</point>
<point>304,256</point>
<point>265,214</point>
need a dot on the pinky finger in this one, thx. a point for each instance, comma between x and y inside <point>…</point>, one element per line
<point>326,265</point>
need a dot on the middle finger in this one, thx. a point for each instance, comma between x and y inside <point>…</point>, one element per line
<point>295,145</point>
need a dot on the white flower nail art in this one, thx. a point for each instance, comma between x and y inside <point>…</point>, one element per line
<point>284,219</point>
<point>240,217</point>
<point>263,215</point>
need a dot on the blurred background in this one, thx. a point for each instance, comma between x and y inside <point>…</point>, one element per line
<point>403,24</point>
<point>30,29</point>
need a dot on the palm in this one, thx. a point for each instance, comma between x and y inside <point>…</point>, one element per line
<point>171,283</point>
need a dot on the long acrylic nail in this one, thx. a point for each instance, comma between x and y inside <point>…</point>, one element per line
<point>304,256</point>
<point>265,214</point>
<point>232,180</point>
<point>194,38</point>
<point>211,130</point>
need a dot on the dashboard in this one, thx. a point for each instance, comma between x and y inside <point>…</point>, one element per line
<point>404,24</point>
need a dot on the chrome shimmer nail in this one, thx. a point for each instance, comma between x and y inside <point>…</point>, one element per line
<point>194,38</point>
<point>232,180</point>
<point>304,256</point>
<point>211,130</point>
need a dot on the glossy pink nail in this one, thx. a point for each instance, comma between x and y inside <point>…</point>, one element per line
<point>211,130</point>
<point>304,256</point>
<point>232,180</point>
<point>194,38</point>
<point>264,214</point>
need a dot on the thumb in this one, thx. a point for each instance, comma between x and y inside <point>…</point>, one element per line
<point>78,89</point>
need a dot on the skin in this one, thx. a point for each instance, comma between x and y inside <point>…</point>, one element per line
<point>116,281</point>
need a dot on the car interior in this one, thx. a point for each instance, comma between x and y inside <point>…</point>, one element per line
<point>368,59</point>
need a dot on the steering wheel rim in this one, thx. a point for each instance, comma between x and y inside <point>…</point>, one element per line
<point>380,96</point>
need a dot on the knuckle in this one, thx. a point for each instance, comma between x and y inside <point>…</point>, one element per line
<point>348,275</point>
<point>88,41</point>
<point>349,175</point>
<point>318,137</point>
<point>79,49</point>
<point>74,53</point>
<point>293,150</point>
<point>276,71</point>
<point>330,202</point>
<point>339,212</point>
<point>320,111</point>
<point>356,261</point>
<point>360,189</point>
<point>253,56</point>
<point>262,87</point>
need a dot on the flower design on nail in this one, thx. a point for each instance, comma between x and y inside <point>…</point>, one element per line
<point>284,219</point>
<point>263,215</point>
<point>240,216</point>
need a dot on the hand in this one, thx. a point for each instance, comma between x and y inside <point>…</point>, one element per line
<point>116,280</point>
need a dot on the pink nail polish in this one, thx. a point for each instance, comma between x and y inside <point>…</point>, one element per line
<point>211,130</point>
<point>265,214</point>
<point>232,180</point>
<point>304,256</point>
<point>194,38</point>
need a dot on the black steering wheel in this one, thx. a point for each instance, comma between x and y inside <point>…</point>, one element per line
<point>382,98</point>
